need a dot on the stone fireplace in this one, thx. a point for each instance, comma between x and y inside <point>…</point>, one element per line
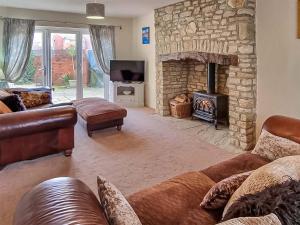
<point>193,33</point>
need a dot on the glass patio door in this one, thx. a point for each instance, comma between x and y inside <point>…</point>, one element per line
<point>63,59</point>
<point>65,66</point>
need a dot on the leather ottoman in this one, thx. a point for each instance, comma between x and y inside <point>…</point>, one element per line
<point>97,114</point>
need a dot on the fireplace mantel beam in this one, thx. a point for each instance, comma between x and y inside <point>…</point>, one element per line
<point>202,57</point>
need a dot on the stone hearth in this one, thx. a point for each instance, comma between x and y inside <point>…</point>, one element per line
<point>190,34</point>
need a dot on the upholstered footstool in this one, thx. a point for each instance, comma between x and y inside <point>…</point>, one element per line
<point>97,114</point>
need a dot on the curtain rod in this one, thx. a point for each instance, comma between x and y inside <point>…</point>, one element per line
<point>57,21</point>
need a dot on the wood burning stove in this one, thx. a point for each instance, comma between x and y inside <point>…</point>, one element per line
<point>208,105</point>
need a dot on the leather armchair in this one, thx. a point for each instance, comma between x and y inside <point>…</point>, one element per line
<point>34,133</point>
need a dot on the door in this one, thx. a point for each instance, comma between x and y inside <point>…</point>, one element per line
<point>63,59</point>
<point>64,62</point>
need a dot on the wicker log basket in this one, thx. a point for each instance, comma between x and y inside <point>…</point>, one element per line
<point>181,106</point>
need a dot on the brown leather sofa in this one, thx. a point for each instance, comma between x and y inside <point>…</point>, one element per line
<point>173,202</point>
<point>35,133</point>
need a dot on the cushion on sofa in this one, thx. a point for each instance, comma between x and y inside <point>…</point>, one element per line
<point>273,173</point>
<point>4,93</point>
<point>35,98</point>
<point>220,193</point>
<point>14,102</point>
<point>282,199</point>
<point>175,201</point>
<point>4,109</point>
<point>271,219</point>
<point>274,147</point>
<point>117,210</point>
<point>240,164</point>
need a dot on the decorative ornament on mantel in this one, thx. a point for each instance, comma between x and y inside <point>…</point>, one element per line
<point>95,11</point>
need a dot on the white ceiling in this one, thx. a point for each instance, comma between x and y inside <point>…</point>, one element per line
<point>115,8</point>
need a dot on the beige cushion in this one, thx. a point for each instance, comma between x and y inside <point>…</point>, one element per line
<point>4,109</point>
<point>273,173</point>
<point>271,219</point>
<point>220,193</point>
<point>273,147</point>
<point>4,93</point>
<point>117,210</point>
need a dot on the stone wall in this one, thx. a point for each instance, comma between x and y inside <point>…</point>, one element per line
<point>212,26</point>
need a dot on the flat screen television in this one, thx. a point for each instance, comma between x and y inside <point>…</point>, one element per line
<point>127,71</point>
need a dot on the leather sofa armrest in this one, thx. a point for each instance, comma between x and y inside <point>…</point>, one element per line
<point>59,201</point>
<point>35,121</point>
<point>283,126</point>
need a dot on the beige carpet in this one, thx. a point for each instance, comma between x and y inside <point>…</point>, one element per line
<point>149,150</point>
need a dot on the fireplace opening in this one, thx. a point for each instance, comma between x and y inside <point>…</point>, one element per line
<point>211,106</point>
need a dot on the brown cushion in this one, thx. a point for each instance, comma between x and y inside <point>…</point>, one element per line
<point>271,174</point>
<point>4,109</point>
<point>240,164</point>
<point>172,201</point>
<point>220,193</point>
<point>198,216</point>
<point>97,110</point>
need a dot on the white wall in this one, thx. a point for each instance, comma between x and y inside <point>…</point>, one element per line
<point>123,37</point>
<point>147,53</point>
<point>278,51</point>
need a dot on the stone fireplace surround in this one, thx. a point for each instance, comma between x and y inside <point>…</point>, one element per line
<point>190,34</point>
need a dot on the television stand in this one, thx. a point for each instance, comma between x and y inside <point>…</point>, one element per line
<point>128,94</point>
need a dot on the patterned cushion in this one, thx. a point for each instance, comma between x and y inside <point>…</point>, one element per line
<point>14,102</point>
<point>273,147</point>
<point>271,219</point>
<point>4,109</point>
<point>117,210</point>
<point>271,174</point>
<point>35,98</point>
<point>220,193</point>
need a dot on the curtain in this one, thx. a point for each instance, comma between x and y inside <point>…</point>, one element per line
<point>103,43</point>
<point>17,44</point>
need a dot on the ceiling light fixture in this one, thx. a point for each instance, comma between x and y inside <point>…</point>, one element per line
<point>95,11</point>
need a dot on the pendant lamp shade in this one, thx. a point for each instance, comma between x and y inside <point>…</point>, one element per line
<point>95,11</point>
